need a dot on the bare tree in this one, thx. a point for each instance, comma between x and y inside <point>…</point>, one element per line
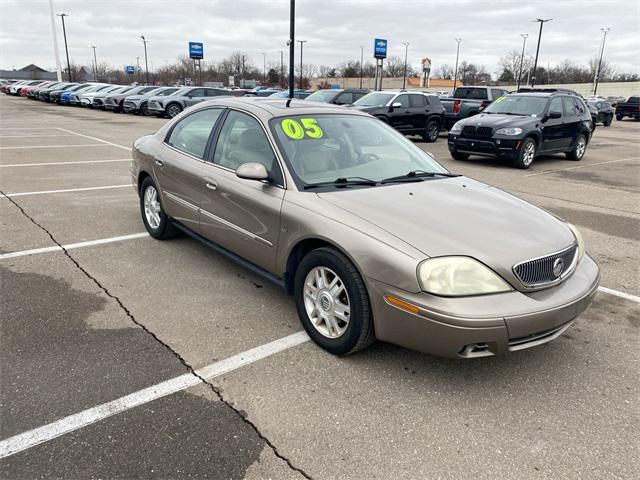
<point>510,66</point>
<point>444,71</point>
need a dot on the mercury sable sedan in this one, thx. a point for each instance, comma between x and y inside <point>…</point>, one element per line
<point>372,237</point>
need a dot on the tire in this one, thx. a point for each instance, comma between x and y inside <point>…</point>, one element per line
<point>431,131</point>
<point>144,110</point>
<point>578,150</point>
<point>619,117</point>
<point>164,229</point>
<point>459,156</point>
<point>526,154</point>
<point>173,109</point>
<point>608,121</point>
<point>337,336</point>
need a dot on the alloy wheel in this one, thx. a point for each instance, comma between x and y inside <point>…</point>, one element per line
<point>529,153</point>
<point>326,302</point>
<point>581,147</point>
<point>152,207</point>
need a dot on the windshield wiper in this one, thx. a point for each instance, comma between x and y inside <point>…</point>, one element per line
<point>417,176</point>
<point>343,182</point>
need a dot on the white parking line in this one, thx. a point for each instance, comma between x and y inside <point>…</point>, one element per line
<point>37,136</point>
<point>55,146</point>
<point>72,246</point>
<point>546,172</point>
<point>627,296</point>
<point>31,438</point>
<point>43,192</point>
<point>64,163</point>
<point>96,139</point>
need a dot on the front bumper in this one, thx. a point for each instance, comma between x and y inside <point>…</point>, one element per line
<point>130,107</point>
<point>484,325</point>
<point>506,148</point>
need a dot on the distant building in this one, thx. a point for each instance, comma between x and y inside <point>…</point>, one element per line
<point>30,72</point>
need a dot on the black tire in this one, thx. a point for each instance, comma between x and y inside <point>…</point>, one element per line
<point>359,332</point>
<point>459,156</point>
<point>619,117</point>
<point>608,121</point>
<point>165,229</point>
<point>144,110</point>
<point>578,152</point>
<point>431,131</point>
<point>526,154</point>
<point>173,110</point>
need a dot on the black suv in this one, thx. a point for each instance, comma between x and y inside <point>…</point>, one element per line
<point>521,126</point>
<point>411,113</point>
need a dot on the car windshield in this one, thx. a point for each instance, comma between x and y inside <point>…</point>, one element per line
<point>518,105</point>
<point>374,99</point>
<point>323,96</point>
<point>325,147</point>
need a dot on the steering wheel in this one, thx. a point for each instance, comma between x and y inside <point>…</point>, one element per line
<point>367,157</point>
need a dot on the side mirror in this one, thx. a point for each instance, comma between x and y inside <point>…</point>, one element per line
<point>252,171</point>
<point>395,105</point>
<point>554,115</point>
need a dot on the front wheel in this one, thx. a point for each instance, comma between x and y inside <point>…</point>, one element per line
<point>578,150</point>
<point>527,154</point>
<point>173,109</point>
<point>332,302</point>
<point>155,220</point>
<point>144,110</point>
<point>431,131</point>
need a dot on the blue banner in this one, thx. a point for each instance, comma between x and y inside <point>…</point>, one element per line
<point>196,50</point>
<point>380,48</point>
<point>130,69</point>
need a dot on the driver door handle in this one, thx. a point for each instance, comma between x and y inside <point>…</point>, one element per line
<point>211,185</point>
<point>159,163</point>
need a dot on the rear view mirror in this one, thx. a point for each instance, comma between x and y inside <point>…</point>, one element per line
<point>395,105</point>
<point>252,171</point>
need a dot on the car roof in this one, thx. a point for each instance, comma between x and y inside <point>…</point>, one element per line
<point>267,108</point>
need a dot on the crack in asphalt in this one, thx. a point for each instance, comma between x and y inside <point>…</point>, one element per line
<point>191,370</point>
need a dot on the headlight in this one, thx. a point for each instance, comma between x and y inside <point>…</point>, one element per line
<point>456,129</point>
<point>579,240</point>
<point>459,276</point>
<point>509,131</point>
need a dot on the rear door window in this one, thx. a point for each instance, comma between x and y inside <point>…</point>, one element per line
<point>569,107</point>
<point>191,134</point>
<point>417,101</point>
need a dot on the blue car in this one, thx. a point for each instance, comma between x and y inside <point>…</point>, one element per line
<point>65,97</point>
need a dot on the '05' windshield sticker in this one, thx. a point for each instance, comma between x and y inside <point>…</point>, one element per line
<point>306,127</point>
<point>499,99</point>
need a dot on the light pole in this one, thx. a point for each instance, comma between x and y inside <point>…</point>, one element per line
<point>404,75</point>
<point>597,77</point>
<point>535,62</point>
<point>455,74</point>
<point>66,49</point>
<point>361,63</point>
<point>55,41</point>
<point>264,67</point>
<point>146,63</point>
<point>281,69</point>
<point>292,45</point>
<point>301,42</point>
<point>524,41</point>
<point>95,64</point>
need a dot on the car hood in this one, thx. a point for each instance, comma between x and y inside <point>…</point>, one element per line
<point>363,108</point>
<point>134,97</point>
<point>458,216</point>
<point>499,120</point>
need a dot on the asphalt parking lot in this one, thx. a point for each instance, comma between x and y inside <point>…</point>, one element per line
<point>103,362</point>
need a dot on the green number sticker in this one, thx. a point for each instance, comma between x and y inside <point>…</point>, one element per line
<point>499,99</point>
<point>294,130</point>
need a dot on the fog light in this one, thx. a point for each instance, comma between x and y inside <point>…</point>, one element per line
<point>498,141</point>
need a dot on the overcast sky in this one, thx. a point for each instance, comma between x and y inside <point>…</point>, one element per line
<point>334,29</point>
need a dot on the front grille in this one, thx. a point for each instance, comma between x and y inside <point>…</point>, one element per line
<point>97,101</point>
<point>109,101</point>
<point>539,272</point>
<point>153,105</point>
<point>473,132</point>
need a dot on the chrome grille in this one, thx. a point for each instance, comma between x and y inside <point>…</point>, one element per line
<point>539,272</point>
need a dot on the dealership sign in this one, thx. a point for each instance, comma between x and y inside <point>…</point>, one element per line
<point>380,48</point>
<point>196,50</point>
<point>130,69</point>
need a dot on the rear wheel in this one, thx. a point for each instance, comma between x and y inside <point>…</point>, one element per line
<point>332,302</point>
<point>527,154</point>
<point>155,220</point>
<point>618,117</point>
<point>173,109</point>
<point>608,120</point>
<point>578,150</point>
<point>431,131</point>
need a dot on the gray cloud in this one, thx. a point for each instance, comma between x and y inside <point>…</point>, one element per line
<point>334,29</point>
